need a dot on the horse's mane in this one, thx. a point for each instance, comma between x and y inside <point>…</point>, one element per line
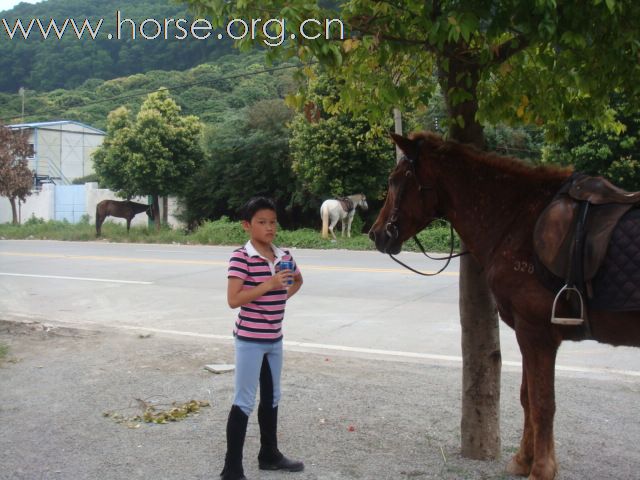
<point>509,165</point>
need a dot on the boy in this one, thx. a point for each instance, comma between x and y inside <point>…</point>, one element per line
<point>260,288</point>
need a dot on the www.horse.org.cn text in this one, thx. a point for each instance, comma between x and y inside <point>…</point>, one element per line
<point>273,32</point>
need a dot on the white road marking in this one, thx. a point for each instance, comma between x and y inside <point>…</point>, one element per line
<point>85,279</point>
<point>389,353</point>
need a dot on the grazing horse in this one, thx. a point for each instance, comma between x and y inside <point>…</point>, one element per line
<point>343,209</point>
<point>126,209</point>
<point>494,203</point>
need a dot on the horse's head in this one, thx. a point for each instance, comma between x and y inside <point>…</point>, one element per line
<point>412,201</point>
<point>362,203</point>
<point>149,212</point>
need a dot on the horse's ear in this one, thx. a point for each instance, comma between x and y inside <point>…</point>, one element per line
<point>409,147</point>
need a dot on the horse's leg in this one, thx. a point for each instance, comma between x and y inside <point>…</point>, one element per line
<point>333,223</point>
<point>538,360</point>
<point>128,224</point>
<point>520,463</point>
<point>99,219</point>
<point>349,220</point>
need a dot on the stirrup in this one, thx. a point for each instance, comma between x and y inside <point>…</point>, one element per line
<point>567,320</point>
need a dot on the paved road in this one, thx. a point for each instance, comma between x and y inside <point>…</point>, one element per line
<point>360,303</point>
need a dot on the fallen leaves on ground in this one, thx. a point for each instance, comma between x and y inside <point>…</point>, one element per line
<point>153,414</point>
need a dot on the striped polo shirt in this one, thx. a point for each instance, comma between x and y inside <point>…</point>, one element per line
<point>261,319</point>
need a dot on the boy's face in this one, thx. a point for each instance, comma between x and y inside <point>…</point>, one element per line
<point>262,227</point>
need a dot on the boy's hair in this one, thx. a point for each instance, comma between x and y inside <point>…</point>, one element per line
<point>250,208</point>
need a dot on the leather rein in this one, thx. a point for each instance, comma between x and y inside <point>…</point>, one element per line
<point>391,228</point>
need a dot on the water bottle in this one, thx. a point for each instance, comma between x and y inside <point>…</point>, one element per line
<point>287,265</point>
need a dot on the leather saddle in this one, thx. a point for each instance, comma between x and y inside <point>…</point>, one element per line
<point>346,203</point>
<point>572,234</point>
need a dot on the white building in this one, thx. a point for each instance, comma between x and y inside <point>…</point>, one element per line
<point>61,150</point>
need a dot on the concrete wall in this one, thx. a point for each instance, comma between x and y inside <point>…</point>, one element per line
<point>39,204</point>
<point>42,205</point>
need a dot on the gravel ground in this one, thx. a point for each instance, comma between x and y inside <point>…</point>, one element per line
<point>346,417</point>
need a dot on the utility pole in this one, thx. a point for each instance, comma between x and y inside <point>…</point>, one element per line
<point>21,92</point>
<point>397,120</point>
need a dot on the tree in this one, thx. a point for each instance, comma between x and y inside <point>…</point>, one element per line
<point>154,155</point>
<point>336,154</point>
<point>611,154</point>
<point>333,157</point>
<point>16,179</point>
<point>246,154</point>
<point>537,62</point>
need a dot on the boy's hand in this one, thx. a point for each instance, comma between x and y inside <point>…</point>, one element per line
<point>282,279</point>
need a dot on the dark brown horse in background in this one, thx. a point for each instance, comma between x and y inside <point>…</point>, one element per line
<point>493,203</point>
<point>122,209</point>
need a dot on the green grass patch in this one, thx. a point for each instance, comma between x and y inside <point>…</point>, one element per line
<point>4,350</point>
<point>219,232</point>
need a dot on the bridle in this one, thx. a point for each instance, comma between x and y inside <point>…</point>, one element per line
<point>391,228</point>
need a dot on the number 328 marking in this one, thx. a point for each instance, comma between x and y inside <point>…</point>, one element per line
<point>525,267</point>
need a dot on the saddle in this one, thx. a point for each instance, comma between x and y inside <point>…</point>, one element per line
<point>346,203</point>
<point>572,234</point>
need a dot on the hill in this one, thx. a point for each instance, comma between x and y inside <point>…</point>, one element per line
<point>64,61</point>
<point>212,91</point>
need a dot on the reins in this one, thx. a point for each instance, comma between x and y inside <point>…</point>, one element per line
<point>447,258</point>
<point>392,229</point>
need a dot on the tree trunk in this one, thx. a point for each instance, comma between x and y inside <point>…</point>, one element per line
<point>481,357</point>
<point>481,365</point>
<point>156,212</point>
<point>14,210</point>
<point>165,210</point>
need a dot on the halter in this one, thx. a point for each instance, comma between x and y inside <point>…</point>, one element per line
<point>391,228</point>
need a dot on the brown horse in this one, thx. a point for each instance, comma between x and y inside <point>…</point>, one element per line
<point>493,203</point>
<point>125,209</point>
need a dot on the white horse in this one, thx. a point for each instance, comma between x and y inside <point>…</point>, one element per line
<point>342,209</point>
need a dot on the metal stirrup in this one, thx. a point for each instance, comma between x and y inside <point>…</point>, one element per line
<point>567,320</point>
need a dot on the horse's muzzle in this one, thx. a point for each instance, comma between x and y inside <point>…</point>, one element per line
<point>386,242</point>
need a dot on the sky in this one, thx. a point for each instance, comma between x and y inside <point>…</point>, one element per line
<point>8,4</point>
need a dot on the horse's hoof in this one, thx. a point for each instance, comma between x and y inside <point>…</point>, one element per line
<point>546,471</point>
<point>516,467</point>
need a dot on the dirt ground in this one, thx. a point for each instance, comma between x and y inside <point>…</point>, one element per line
<point>347,418</point>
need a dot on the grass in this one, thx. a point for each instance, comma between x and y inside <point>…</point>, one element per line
<point>219,232</point>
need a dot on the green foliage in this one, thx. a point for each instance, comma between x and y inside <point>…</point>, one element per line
<point>335,157</point>
<point>495,61</point>
<point>522,142</point>
<point>336,154</point>
<point>4,350</point>
<point>153,155</point>
<point>218,232</point>
<point>247,155</point>
<point>86,179</point>
<point>208,91</point>
<point>44,65</point>
<point>607,153</point>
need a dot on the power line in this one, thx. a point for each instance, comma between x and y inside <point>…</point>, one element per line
<point>174,87</point>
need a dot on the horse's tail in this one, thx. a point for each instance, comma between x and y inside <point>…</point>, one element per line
<point>324,213</point>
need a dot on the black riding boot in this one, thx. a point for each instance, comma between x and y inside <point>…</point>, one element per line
<point>236,431</point>
<point>270,457</point>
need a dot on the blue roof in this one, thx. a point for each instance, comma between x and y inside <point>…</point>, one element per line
<point>53,124</point>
